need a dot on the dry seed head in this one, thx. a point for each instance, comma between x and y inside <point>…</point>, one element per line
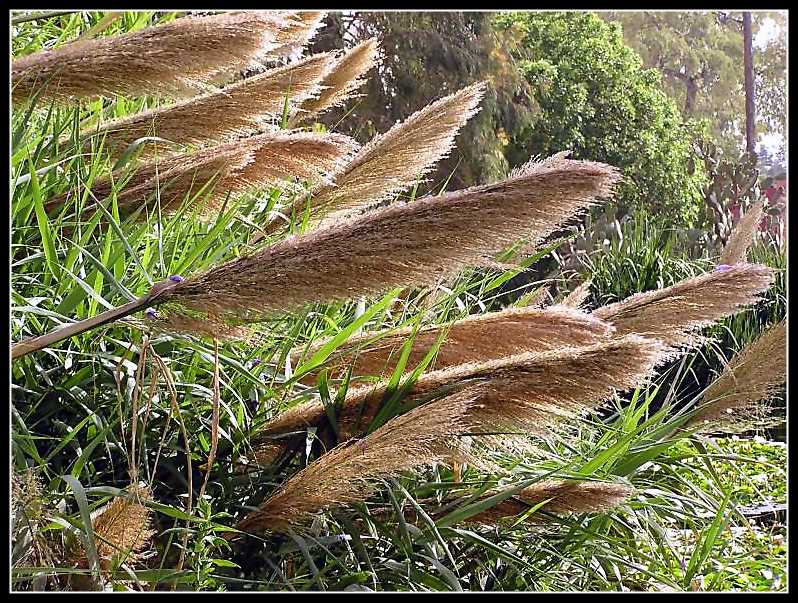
<point>477,338</point>
<point>562,497</point>
<point>170,59</point>
<point>180,324</point>
<point>674,314</point>
<point>30,512</point>
<point>578,297</point>
<point>345,77</point>
<point>530,392</point>
<point>344,475</point>
<point>742,236</point>
<point>394,161</point>
<point>401,245</point>
<point>302,27</point>
<point>25,488</point>
<point>753,374</point>
<point>123,527</point>
<point>239,109</point>
<point>267,160</point>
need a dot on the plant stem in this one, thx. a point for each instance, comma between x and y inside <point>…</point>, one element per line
<point>35,344</point>
<point>41,15</point>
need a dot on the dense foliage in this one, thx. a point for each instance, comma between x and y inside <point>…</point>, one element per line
<point>595,98</point>
<point>700,55</point>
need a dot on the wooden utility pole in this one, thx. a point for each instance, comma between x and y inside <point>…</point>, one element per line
<point>748,64</point>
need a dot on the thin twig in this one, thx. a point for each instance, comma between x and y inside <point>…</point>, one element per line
<point>214,419</point>
<point>42,15</point>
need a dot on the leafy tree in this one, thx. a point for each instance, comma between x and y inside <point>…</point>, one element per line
<point>700,55</point>
<point>595,98</point>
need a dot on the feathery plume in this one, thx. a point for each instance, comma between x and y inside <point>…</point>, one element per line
<point>123,527</point>
<point>562,497</point>
<point>755,373</point>
<point>401,245</point>
<point>301,29</point>
<point>341,83</point>
<point>344,474</point>
<point>394,161</point>
<point>578,297</point>
<point>674,314</point>
<point>239,109</point>
<point>233,168</point>
<point>526,391</point>
<point>181,324</point>
<point>170,59</point>
<point>476,338</point>
<point>742,236</point>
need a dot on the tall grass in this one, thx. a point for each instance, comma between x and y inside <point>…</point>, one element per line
<point>127,426</point>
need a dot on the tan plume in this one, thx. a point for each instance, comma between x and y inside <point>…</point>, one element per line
<point>674,314</point>
<point>346,473</point>
<point>413,244</point>
<point>529,392</point>
<point>301,29</point>
<point>476,338</point>
<point>755,373</point>
<point>741,238</point>
<point>123,527</point>
<point>233,168</point>
<point>394,161</point>
<point>171,59</point>
<point>578,297</point>
<point>346,76</point>
<point>557,496</point>
<point>401,245</point>
<point>239,109</point>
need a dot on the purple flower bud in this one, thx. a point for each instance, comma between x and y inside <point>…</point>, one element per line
<point>256,362</point>
<point>176,278</point>
<point>722,268</point>
<point>151,313</point>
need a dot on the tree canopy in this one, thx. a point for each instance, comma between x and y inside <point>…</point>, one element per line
<point>595,97</point>
<point>700,55</point>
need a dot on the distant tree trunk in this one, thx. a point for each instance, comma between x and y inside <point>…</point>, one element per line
<point>692,93</point>
<point>750,109</point>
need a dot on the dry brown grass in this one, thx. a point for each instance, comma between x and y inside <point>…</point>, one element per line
<point>476,338</point>
<point>736,248</point>
<point>30,514</point>
<point>181,324</point>
<point>239,109</point>
<point>123,528</point>
<point>674,314</point>
<point>346,473</point>
<point>754,374</point>
<point>401,245</point>
<point>171,59</point>
<point>301,29</point>
<point>562,497</point>
<point>394,161</point>
<point>578,297</point>
<point>343,80</point>
<point>267,160</point>
<point>526,393</point>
